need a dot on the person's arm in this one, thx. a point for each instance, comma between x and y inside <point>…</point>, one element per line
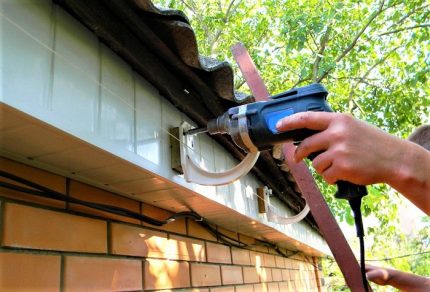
<point>355,151</point>
<point>400,280</point>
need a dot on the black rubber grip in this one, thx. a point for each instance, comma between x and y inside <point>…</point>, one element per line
<point>348,191</point>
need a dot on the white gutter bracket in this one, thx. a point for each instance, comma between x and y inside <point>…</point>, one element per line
<point>194,173</point>
<point>275,218</point>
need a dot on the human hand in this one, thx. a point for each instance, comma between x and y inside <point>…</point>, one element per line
<point>400,280</point>
<point>354,151</point>
<point>378,275</point>
<point>350,150</point>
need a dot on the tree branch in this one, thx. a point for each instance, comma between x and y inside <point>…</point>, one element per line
<point>358,35</point>
<point>364,76</point>
<point>407,15</point>
<point>405,28</point>
<point>300,81</point>
<point>230,10</point>
<point>354,41</point>
<point>322,46</point>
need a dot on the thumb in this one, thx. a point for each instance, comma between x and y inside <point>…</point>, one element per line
<point>379,276</point>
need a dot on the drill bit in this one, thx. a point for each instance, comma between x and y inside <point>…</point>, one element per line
<point>196,131</point>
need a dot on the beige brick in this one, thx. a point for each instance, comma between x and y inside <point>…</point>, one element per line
<point>102,274</point>
<point>223,289</point>
<point>38,176</point>
<point>285,286</point>
<point>285,275</point>
<point>294,275</point>
<point>196,230</point>
<point>205,275</point>
<point>250,275</point>
<point>177,226</point>
<point>240,256</point>
<point>218,253</point>
<point>257,258</point>
<point>280,262</point>
<point>136,241</point>
<point>166,274</point>
<point>189,249</point>
<point>265,274</point>
<point>277,275</point>
<point>288,263</point>
<point>273,287</point>
<point>231,275</point>
<point>29,272</point>
<point>91,194</point>
<point>269,260</point>
<point>30,227</point>
<point>262,287</point>
<point>245,288</point>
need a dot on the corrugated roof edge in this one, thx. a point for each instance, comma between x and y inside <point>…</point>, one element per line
<point>175,28</point>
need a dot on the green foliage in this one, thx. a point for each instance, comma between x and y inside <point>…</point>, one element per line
<point>373,56</point>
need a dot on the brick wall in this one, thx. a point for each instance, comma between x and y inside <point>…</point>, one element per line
<point>48,245</point>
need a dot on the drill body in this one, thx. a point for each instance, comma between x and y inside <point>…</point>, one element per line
<point>252,126</point>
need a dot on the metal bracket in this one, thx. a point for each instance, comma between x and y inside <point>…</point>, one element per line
<point>194,173</point>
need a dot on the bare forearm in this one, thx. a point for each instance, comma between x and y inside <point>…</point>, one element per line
<point>412,175</point>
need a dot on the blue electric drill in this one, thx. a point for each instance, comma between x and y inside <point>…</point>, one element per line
<point>252,126</point>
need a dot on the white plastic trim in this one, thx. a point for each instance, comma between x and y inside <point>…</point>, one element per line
<point>194,173</point>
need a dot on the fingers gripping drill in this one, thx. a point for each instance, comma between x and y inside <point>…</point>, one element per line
<point>252,127</point>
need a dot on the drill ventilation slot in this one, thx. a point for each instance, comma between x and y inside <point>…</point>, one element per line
<point>194,173</point>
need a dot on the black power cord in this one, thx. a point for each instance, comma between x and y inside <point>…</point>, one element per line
<point>39,190</point>
<point>355,204</point>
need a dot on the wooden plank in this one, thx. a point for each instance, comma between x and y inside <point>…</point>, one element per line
<point>319,208</point>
